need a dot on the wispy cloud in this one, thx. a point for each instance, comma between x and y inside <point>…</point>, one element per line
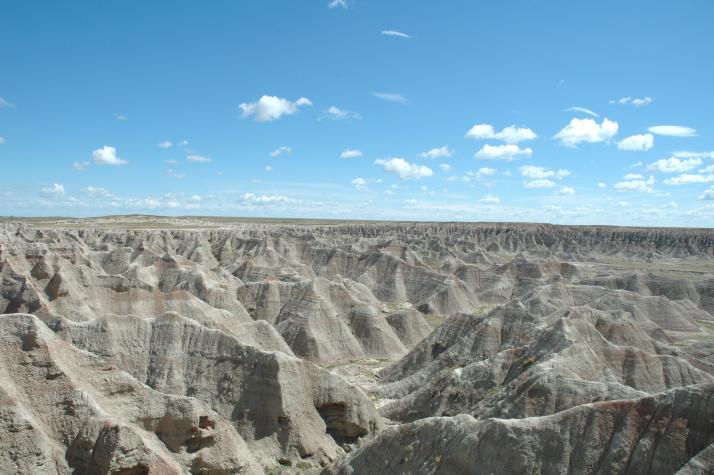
<point>198,159</point>
<point>337,3</point>
<point>280,151</point>
<point>637,183</point>
<point>439,152</point>
<point>55,189</point>
<point>566,190</point>
<point>335,113</point>
<point>165,144</point>
<point>391,97</point>
<point>532,171</point>
<point>6,104</point>
<point>673,130</point>
<point>582,110</point>
<point>269,108</point>
<point>120,117</point>
<point>637,102</point>
<point>396,33</point>
<point>687,179</point>
<point>540,183</point>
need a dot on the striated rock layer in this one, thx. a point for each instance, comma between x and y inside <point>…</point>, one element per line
<point>150,345</point>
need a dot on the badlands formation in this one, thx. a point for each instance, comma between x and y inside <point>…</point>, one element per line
<point>135,345</point>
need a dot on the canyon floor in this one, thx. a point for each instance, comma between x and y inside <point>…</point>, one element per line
<point>140,344</point>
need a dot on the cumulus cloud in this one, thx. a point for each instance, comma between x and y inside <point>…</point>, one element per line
<point>280,151</point>
<point>55,189</point>
<point>502,152</point>
<point>637,143</point>
<point>351,153</point>
<point>566,190</point>
<point>601,184</point>
<point>396,33</point>
<point>445,167</point>
<point>363,183</point>
<point>198,159</point>
<point>531,171</point>
<point>687,179</point>
<point>166,144</point>
<point>269,108</point>
<point>107,156</point>
<point>511,134</point>
<point>541,183</point>
<point>482,172</point>
<point>673,130</point>
<point>390,97</point>
<point>582,110</point>
<point>637,102</point>
<point>439,152</point>
<point>707,194</point>
<point>636,184</point>
<point>97,191</point>
<point>335,113</point>
<point>490,199</point>
<point>674,165</point>
<point>587,130</point>
<point>404,169</point>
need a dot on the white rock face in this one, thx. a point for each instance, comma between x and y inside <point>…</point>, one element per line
<point>197,346</point>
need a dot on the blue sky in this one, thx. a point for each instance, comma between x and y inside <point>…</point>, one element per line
<point>559,111</point>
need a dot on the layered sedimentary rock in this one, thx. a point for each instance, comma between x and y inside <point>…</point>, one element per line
<point>203,347</point>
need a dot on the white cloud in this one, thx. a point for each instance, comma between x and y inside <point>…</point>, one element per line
<point>674,165</point>
<point>634,101</point>
<point>566,190</point>
<point>395,33</point>
<point>107,156</point>
<point>81,165</point>
<point>601,184</point>
<point>502,152</point>
<point>335,113</point>
<point>337,3</point>
<point>437,152</point>
<point>363,183</point>
<point>707,169</point>
<point>268,168</point>
<point>482,172</point>
<point>638,184</point>
<point>490,199</point>
<point>6,104</point>
<point>531,171</point>
<point>583,110</point>
<point>198,159</point>
<point>587,130</point>
<point>121,117</point>
<point>55,189</point>
<point>539,184</point>
<point>694,154</point>
<point>280,150</point>
<point>269,108</point>
<point>97,191</point>
<point>251,198</point>
<point>687,179</point>
<point>166,144</point>
<point>445,167</point>
<point>390,97</point>
<point>404,169</point>
<point>171,162</point>
<point>707,194</point>
<point>511,134</point>
<point>2,140</point>
<point>637,143</point>
<point>351,153</point>
<point>673,130</point>
<point>633,176</point>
